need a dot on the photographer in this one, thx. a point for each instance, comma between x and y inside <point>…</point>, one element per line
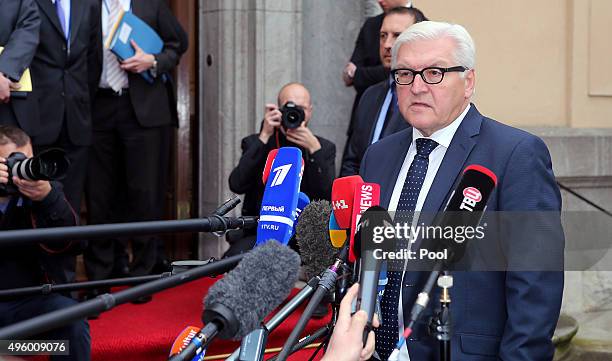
<point>26,204</point>
<point>319,154</point>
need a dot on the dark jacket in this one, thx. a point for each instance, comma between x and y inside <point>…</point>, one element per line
<point>319,171</point>
<point>19,26</point>
<point>65,73</point>
<point>34,264</point>
<point>366,57</point>
<point>366,116</point>
<point>155,104</point>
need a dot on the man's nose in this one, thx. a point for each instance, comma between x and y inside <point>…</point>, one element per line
<point>418,84</point>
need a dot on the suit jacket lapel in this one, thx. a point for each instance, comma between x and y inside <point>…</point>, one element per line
<point>76,15</point>
<point>136,8</point>
<point>49,10</point>
<point>454,160</point>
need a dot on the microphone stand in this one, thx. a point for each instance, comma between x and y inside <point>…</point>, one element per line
<point>48,288</point>
<point>327,281</point>
<point>440,325</point>
<point>252,346</point>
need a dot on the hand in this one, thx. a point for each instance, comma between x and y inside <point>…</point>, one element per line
<point>3,171</point>
<point>303,137</point>
<point>272,120</point>
<point>5,89</point>
<point>34,190</point>
<point>349,73</point>
<point>138,63</point>
<point>346,343</point>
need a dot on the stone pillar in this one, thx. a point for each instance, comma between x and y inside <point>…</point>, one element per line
<point>248,49</point>
<point>329,34</point>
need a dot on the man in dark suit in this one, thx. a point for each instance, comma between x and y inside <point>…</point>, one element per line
<point>19,25</point>
<point>365,68</point>
<point>319,157</point>
<point>509,314</point>
<point>66,69</point>
<point>377,115</point>
<point>131,123</point>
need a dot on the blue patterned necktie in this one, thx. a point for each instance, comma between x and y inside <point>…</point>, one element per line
<point>62,18</point>
<point>388,333</point>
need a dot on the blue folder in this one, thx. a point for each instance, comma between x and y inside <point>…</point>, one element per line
<point>130,27</point>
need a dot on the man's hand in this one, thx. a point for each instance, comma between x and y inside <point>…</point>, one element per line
<point>138,63</point>
<point>34,190</point>
<point>349,73</point>
<point>3,171</point>
<point>5,89</point>
<point>303,137</point>
<point>272,120</point>
<point>346,343</point>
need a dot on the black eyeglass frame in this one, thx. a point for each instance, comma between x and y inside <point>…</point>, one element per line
<point>458,68</point>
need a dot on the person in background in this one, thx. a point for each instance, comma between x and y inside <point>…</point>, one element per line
<point>377,115</point>
<point>36,204</point>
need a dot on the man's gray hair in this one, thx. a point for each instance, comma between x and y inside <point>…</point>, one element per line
<point>465,50</point>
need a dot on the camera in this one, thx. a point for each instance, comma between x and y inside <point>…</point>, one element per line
<point>292,115</point>
<point>52,164</point>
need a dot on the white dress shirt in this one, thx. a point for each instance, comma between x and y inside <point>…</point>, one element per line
<point>443,137</point>
<point>106,28</point>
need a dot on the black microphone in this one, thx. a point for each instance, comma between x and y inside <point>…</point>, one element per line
<point>317,253</point>
<point>328,278</point>
<point>465,207</point>
<point>237,304</point>
<point>364,247</point>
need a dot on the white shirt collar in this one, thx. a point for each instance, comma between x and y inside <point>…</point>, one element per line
<point>445,135</point>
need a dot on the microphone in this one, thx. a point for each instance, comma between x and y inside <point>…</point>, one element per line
<point>343,192</point>
<point>317,253</point>
<point>370,266</point>
<point>280,198</point>
<point>184,339</point>
<point>465,207</point>
<point>328,278</point>
<point>366,195</point>
<point>236,304</point>
<point>312,237</point>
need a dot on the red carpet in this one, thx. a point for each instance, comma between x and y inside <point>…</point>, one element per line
<point>146,332</point>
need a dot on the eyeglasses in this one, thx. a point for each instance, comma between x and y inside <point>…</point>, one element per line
<point>430,75</point>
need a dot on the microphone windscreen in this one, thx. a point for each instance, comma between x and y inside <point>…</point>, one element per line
<point>343,192</point>
<point>260,282</point>
<point>312,237</point>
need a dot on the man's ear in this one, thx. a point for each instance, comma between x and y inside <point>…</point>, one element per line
<point>470,83</point>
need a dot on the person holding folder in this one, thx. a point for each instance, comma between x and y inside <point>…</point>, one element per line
<point>131,123</point>
<point>19,26</point>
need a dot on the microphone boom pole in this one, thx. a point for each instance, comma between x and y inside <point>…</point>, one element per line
<point>214,223</point>
<point>105,302</point>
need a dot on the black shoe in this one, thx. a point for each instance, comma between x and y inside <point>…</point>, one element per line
<point>162,265</point>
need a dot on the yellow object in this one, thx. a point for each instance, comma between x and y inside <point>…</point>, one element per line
<point>25,81</point>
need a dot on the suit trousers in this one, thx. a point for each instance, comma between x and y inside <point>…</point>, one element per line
<point>123,184</point>
<point>77,333</point>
